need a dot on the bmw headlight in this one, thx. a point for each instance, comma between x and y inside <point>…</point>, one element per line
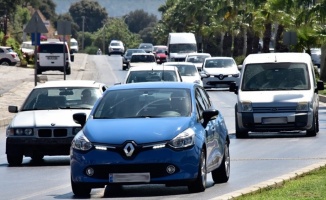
<point>302,106</point>
<point>20,132</point>
<point>28,131</point>
<point>183,140</point>
<point>246,106</point>
<point>80,142</point>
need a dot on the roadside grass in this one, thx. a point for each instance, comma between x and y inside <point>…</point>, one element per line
<point>311,185</point>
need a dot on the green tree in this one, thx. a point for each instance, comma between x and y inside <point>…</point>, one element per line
<point>138,20</point>
<point>89,14</point>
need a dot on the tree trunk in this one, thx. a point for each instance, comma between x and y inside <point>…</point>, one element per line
<point>227,44</point>
<point>250,37</point>
<point>267,37</point>
<point>279,46</point>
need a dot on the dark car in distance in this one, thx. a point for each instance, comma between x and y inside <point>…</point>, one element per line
<point>127,55</point>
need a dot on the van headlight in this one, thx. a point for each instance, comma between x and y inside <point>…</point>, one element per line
<point>80,142</point>
<point>183,140</point>
<point>302,106</point>
<point>246,106</point>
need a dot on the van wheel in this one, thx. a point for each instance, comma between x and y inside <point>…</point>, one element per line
<point>68,72</point>
<point>315,126</point>
<point>222,173</point>
<point>38,71</point>
<point>239,133</point>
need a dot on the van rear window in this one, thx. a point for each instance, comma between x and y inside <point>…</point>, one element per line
<point>51,48</point>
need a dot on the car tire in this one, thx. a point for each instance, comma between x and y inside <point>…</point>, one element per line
<point>68,72</point>
<point>80,189</point>
<point>315,126</point>
<point>38,71</point>
<point>239,133</point>
<point>5,62</point>
<point>14,160</point>
<point>199,185</point>
<point>222,173</point>
<point>109,54</point>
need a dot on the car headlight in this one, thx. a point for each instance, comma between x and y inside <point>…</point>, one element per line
<point>183,140</point>
<point>20,132</point>
<point>235,75</point>
<point>197,81</point>
<point>76,130</point>
<point>302,106</point>
<point>80,142</point>
<point>246,106</point>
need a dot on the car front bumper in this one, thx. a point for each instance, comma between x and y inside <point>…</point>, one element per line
<point>152,161</point>
<point>220,81</point>
<point>275,122</point>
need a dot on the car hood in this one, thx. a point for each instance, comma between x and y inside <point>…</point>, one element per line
<point>292,96</point>
<point>190,79</point>
<point>144,130</point>
<point>217,71</point>
<point>43,118</point>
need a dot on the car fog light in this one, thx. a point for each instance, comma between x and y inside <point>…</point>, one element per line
<point>170,169</point>
<point>90,171</point>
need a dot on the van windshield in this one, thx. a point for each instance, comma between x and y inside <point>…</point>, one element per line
<point>182,48</point>
<point>52,48</point>
<point>275,76</point>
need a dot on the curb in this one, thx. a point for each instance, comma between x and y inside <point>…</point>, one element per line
<point>272,183</point>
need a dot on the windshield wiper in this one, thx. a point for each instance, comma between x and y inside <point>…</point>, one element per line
<point>68,107</point>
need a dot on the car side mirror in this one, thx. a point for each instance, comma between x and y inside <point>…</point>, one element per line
<point>239,67</point>
<point>233,87</point>
<point>203,75</point>
<point>208,115</point>
<point>80,118</point>
<point>13,109</point>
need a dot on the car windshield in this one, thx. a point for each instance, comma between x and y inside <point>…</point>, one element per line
<point>144,103</point>
<point>182,48</point>
<point>142,58</point>
<point>115,44</point>
<point>219,63</point>
<point>130,52</point>
<point>187,70</point>
<point>151,76</point>
<point>61,98</point>
<point>196,59</point>
<point>275,76</point>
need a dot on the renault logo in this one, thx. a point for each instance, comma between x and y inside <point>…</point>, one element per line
<point>52,124</point>
<point>220,76</point>
<point>129,149</point>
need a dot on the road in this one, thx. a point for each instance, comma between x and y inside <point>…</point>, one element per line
<point>255,160</point>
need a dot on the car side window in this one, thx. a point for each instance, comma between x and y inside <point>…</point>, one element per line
<point>205,97</point>
<point>199,105</point>
<point>200,99</point>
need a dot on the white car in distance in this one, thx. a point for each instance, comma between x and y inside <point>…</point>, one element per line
<point>188,71</point>
<point>142,59</point>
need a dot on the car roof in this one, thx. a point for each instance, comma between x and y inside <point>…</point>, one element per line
<point>278,57</point>
<point>199,54</point>
<point>70,83</point>
<point>148,54</point>
<point>153,85</point>
<point>158,67</point>
<point>178,63</point>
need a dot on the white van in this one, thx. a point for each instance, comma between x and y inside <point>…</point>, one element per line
<point>74,45</point>
<point>50,56</point>
<point>277,92</point>
<point>180,45</point>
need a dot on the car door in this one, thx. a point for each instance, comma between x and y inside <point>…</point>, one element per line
<point>217,126</point>
<point>209,130</point>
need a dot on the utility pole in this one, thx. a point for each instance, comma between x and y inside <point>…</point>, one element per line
<point>103,40</point>
<point>83,25</point>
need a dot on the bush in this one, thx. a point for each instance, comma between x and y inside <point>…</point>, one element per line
<point>239,59</point>
<point>91,50</point>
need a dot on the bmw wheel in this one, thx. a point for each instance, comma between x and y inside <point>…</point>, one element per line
<point>14,159</point>
<point>199,185</point>
<point>80,189</point>
<point>222,173</point>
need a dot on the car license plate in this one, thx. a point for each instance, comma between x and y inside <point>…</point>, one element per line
<point>52,57</point>
<point>275,120</point>
<point>129,177</point>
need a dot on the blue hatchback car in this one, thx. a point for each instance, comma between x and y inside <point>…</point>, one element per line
<point>150,133</point>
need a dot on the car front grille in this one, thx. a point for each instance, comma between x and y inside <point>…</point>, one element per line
<point>52,132</point>
<point>274,109</point>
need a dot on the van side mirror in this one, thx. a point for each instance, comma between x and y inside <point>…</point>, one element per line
<point>72,57</point>
<point>233,87</point>
<point>320,85</point>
